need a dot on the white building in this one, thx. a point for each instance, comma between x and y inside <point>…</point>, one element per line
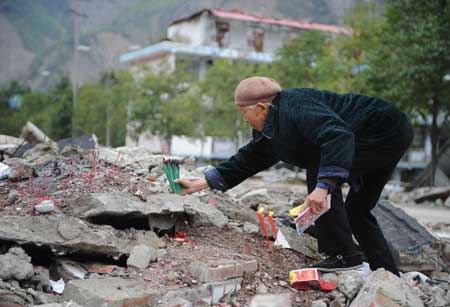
<point>217,34</point>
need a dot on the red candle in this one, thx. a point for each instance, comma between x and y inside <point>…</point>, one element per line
<point>272,225</point>
<point>261,220</point>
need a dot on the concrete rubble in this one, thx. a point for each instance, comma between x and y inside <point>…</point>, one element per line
<point>141,256</point>
<point>71,235</point>
<point>347,282</point>
<point>383,288</point>
<point>96,205</point>
<point>15,264</point>
<point>116,236</point>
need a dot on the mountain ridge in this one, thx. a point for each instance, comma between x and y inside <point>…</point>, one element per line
<point>36,43</point>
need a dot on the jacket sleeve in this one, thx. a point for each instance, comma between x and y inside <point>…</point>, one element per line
<point>322,126</point>
<point>249,160</point>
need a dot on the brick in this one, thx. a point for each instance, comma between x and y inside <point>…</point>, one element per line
<point>206,294</point>
<point>224,288</point>
<point>249,266</point>
<point>207,272</point>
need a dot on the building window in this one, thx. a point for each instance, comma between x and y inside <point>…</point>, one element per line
<point>222,34</point>
<point>258,39</point>
<point>291,37</point>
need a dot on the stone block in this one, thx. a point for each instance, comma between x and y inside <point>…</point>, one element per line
<point>219,290</point>
<point>141,256</point>
<point>384,289</point>
<point>223,270</point>
<point>255,197</point>
<point>15,265</point>
<point>347,282</point>
<point>205,214</point>
<point>111,292</point>
<point>249,266</point>
<point>67,235</point>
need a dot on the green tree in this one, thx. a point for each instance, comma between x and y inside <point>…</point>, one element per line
<point>60,110</point>
<point>222,117</point>
<point>102,107</point>
<point>343,66</point>
<point>152,109</point>
<point>411,63</point>
<point>11,121</point>
<point>296,63</point>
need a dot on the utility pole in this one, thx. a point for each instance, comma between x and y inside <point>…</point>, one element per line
<point>76,27</point>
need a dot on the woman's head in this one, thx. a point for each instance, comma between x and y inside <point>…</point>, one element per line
<point>253,97</point>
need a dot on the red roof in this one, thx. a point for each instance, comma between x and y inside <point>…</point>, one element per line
<point>238,15</point>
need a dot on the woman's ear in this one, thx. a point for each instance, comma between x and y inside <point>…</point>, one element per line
<point>261,106</point>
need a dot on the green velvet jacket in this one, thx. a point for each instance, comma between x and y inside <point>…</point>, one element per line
<point>336,134</point>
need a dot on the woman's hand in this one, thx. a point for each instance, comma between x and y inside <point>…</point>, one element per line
<point>191,186</point>
<point>317,200</point>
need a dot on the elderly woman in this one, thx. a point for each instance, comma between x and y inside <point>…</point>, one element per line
<point>337,138</point>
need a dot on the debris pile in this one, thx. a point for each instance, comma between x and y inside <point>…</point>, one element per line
<point>84,225</point>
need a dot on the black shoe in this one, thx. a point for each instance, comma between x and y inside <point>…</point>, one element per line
<point>339,263</point>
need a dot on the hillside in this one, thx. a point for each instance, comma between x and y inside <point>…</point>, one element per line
<point>36,41</point>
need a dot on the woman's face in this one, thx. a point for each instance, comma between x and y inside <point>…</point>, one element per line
<point>255,115</point>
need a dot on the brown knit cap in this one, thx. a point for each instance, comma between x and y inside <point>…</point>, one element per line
<point>256,89</point>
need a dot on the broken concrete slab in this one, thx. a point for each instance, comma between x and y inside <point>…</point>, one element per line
<point>82,142</point>
<point>197,296</point>
<point>205,214</point>
<point>13,295</point>
<point>94,205</point>
<point>207,294</point>
<point>383,289</point>
<point>255,197</point>
<point>447,203</point>
<point>399,228</point>
<point>15,264</point>
<point>33,134</point>
<point>438,297</point>
<point>215,271</point>
<point>269,300</point>
<point>347,282</point>
<point>19,169</point>
<point>304,244</point>
<point>250,228</point>
<point>434,194</point>
<point>111,292</point>
<point>222,290</point>
<point>141,256</point>
<point>68,269</point>
<point>71,235</point>
<point>135,157</point>
<point>166,221</point>
<point>72,151</point>
<point>425,258</point>
<point>119,203</point>
<point>41,153</point>
<point>232,208</point>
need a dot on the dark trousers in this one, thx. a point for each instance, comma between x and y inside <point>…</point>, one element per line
<point>334,229</point>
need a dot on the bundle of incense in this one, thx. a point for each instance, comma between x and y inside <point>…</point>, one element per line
<point>172,170</point>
